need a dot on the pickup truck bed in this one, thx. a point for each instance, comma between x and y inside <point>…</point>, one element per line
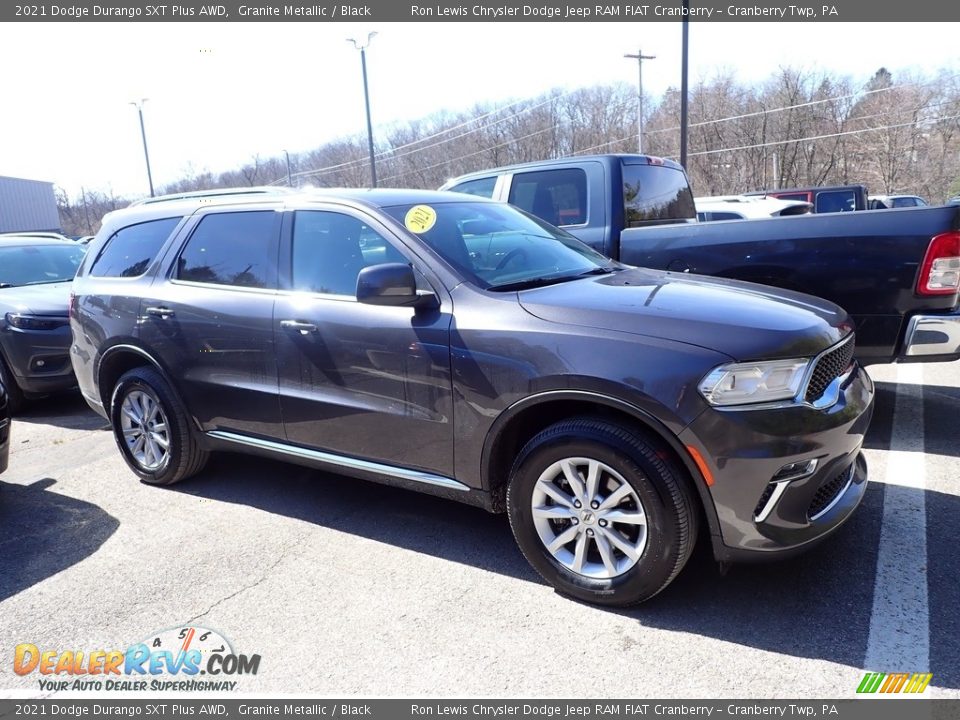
<point>866,262</point>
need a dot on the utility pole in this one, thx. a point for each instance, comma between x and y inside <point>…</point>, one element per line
<point>640,57</point>
<point>684,66</point>
<point>289,175</point>
<point>366,97</point>
<point>86,210</point>
<point>143,134</point>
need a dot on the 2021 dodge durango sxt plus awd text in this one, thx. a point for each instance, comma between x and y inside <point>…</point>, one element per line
<point>460,347</point>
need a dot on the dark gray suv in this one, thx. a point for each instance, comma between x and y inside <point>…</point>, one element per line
<point>461,347</point>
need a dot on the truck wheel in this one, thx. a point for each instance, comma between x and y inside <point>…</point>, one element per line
<point>152,429</point>
<point>14,393</point>
<point>601,512</point>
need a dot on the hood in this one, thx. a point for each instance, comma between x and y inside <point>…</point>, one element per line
<point>742,320</point>
<point>52,299</point>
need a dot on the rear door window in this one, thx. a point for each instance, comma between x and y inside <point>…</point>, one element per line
<point>129,252</point>
<point>557,196</point>
<point>238,248</point>
<point>654,194</point>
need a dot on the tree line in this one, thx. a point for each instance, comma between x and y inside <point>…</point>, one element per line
<point>798,128</point>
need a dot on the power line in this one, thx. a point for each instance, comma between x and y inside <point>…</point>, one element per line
<point>816,137</point>
<point>392,155</point>
<point>478,152</point>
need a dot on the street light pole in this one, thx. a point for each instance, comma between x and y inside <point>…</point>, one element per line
<point>366,98</point>
<point>684,67</point>
<point>143,134</point>
<point>640,57</point>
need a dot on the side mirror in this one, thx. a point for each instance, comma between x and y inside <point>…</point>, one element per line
<point>392,284</point>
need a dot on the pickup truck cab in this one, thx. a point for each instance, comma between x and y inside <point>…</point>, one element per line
<point>593,197</point>
<point>896,272</point>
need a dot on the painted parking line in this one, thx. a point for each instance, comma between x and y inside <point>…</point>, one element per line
<point>899,637</point>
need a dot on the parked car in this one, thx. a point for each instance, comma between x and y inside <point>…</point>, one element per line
<point>742,207</point>
<point>4,429</point>
<point>840,198</point>
<point>896,273</point>
<point>35,277</point>
<point>469,350</point>
<point>885,202</point>
<point>35,235</point>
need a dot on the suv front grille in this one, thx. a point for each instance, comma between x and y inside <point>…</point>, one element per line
<point>828,368</point>
<point>828,492</point>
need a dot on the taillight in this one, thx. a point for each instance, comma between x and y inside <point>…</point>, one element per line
<point>940,272</point>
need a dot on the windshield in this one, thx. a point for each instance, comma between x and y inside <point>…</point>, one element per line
<point>496,246</point>
<point>38,264</point>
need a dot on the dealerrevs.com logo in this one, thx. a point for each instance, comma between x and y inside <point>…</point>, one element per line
<point>178,659</point>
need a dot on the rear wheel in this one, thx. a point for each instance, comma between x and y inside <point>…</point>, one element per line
<point>152,429</point>
<point>601,512</point>
<point>14,393</point>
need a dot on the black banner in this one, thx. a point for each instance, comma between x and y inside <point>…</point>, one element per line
<point>503,11</point>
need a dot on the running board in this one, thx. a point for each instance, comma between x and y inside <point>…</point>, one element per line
<point>339,460</point>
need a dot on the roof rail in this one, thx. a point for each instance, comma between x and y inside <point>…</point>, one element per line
<point>213,194</point>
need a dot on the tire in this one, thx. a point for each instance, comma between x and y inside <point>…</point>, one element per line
<point>630,547</point>
<point>14,393</point>
<point>145,413</point>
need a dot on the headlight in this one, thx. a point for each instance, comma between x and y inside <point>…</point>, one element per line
<point>754,382</point>
<point>36,322</point>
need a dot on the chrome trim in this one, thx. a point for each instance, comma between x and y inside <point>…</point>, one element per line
<point>942,333</point>
<point>340,460</point>
<point>778,491</point>
<point>4,423</point>
<point>846,486</point>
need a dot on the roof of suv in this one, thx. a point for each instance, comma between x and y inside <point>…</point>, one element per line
<point>17,239</point>
<point>188,203</point>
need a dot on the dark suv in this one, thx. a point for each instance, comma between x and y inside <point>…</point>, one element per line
<point>461,347</point>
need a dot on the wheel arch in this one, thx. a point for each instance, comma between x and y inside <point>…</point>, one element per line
<point>121,358</point>
<point>521,421</point>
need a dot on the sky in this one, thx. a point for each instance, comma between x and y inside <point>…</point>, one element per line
<point>220,93</point>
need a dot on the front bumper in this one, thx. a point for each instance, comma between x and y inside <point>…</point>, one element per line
<point>39,359</point>
<point>761,514</point>
<point>933,337</point>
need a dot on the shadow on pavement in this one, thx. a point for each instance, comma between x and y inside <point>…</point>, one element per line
<point>68,410</point>
<point>42,533</point>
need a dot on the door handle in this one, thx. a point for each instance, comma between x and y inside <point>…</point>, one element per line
<point>160,312</point>
<point>304,328</point>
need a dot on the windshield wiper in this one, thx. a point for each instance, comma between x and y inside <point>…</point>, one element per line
<point>603,270</point>
<point>5,285</point>
<point>533,283</point>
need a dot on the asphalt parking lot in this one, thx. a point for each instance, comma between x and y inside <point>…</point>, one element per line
<point>347,588</point>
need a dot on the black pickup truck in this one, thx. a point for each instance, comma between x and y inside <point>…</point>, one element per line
<point>896,272</point>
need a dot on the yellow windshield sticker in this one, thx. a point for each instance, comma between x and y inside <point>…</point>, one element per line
<point>420,218</point>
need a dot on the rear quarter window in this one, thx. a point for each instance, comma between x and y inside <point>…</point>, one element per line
<point>482,187</point>
<point>129,251</point>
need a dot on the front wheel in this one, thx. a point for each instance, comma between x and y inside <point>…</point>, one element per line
<point>152,429</point>
<point>601,512</point>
